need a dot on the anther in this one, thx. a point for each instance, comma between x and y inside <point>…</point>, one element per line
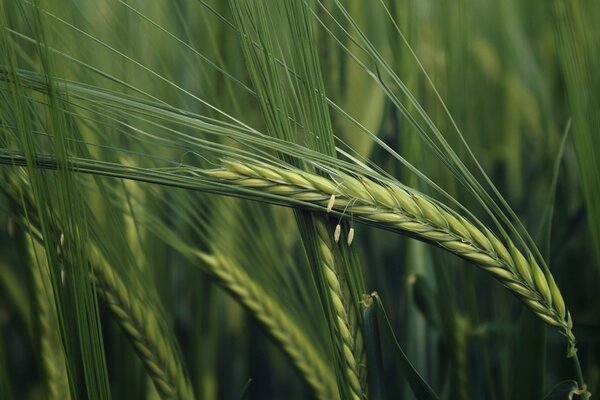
<point>350,236</point>
<point>330,203</point>
<point>337,233</point>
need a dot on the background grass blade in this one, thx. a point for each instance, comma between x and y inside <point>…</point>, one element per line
<point>420,388</point>
<point>578,48</point>
<point>528,381</point>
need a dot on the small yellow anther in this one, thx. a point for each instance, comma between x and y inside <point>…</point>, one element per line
<point>330,203</point>
<point>350,236</point>
<point>337,233</point>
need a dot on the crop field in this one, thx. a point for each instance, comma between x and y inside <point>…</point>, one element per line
<point>299,199</point>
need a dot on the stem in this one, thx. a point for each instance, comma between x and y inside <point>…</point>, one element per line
<point>582,390</point>
<point>580,380</point>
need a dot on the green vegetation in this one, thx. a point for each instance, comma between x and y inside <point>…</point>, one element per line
<point>264,199</point>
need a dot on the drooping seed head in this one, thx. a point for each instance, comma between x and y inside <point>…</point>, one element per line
<point>403,209</point>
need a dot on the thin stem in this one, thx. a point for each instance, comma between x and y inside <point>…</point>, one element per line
<point>580,380</point>
<point>582,390</point>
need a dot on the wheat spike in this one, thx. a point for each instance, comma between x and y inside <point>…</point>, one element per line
<point>410,212</point>
<point>142,328</point>
<point>139,323</point>
<point>283,329</point>
<point>339,295</point>
<point>135,317</point>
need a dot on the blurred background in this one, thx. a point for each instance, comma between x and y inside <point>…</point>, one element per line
<point>516,77</point>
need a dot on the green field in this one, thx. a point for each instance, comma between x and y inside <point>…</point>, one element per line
<point>299,199</point>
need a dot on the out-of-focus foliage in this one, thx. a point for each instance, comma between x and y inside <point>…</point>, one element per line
<point>516,77</point>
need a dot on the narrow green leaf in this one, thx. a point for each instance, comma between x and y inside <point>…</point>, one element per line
<point>426,301</point>
<point>575,21</point>
<point>545,230</point>
<point>419,386</point>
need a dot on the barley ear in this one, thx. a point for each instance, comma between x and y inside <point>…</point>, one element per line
<point>339,296</point>
<point>409,212</point>
<point>139,322</point>
<point>276,321</point>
